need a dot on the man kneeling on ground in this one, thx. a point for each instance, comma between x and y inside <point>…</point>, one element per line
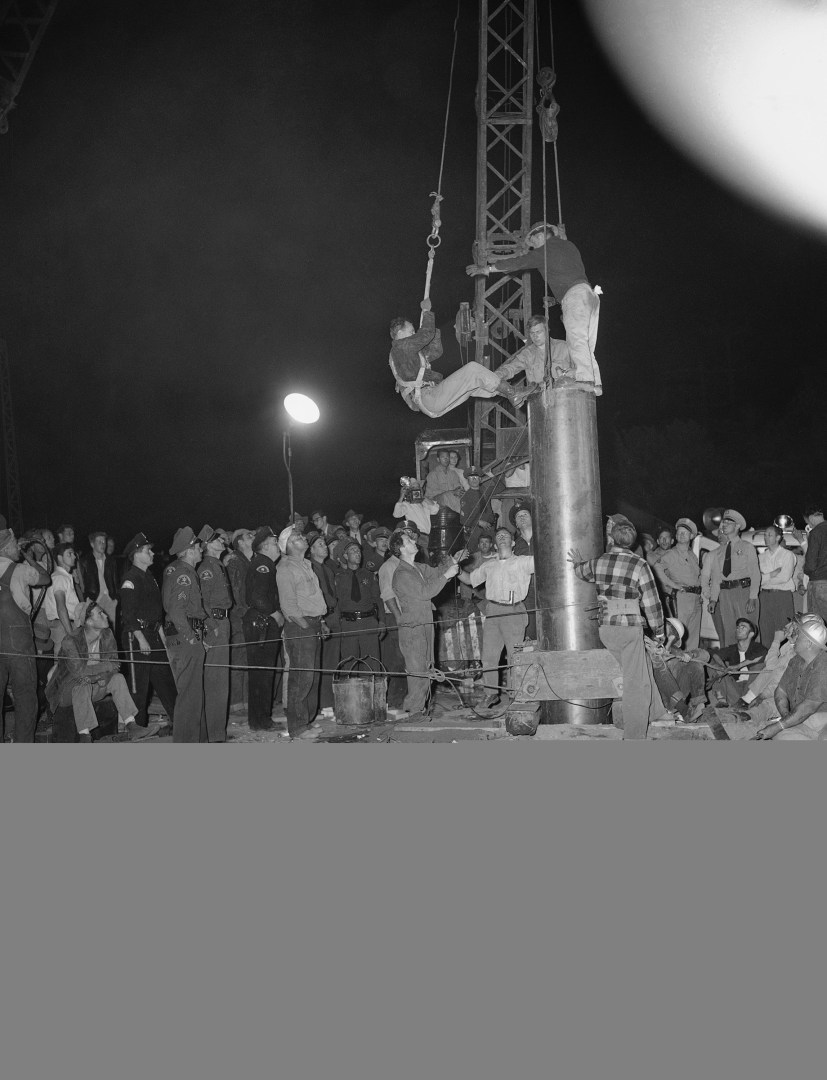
<point>86,671</point>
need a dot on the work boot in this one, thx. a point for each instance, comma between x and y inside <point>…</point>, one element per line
<point>508,391</point>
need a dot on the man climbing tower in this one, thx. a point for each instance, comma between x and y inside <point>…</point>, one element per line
<point>425,390</point>
<point>561,265</point>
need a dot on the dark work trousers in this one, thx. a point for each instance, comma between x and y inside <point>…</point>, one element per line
<point>393,660</point>
<point>238,658</point>
<point>263,644</point>
<point>20,671</point>
<point>302,645</point>
<point>147,672</point>
<point>330,657</point>
<point>217,678</point>
<point>187,663</point>
<point>360,639</point>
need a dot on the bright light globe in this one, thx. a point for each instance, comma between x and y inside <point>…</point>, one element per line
<point>301,408</point>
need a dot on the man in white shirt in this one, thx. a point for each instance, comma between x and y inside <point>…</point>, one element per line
<point>62,602</point>
<point>778,568</point>
<point>443,484</point>
<point>507,579</point>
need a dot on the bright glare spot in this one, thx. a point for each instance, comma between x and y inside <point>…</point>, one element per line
<point>741,84</point>
<point>301,408</point>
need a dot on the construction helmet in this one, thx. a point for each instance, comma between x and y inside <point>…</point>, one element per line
<point>815,630</point>
<point>677,626</point>
<point>784,521</point>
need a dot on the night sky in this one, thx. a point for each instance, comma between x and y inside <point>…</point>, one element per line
<point>206,205</point>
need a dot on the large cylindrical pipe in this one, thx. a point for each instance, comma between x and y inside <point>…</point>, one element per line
<point>565,483</point>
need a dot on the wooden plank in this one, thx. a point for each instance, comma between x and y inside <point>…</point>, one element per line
<point>569,674</point>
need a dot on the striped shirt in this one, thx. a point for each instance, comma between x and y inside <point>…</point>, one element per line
<point>622,575</point>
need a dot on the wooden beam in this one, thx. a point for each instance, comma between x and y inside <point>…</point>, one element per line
<point>568,674</point>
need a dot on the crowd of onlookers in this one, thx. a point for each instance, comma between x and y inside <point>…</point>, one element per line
<point>212,628</point>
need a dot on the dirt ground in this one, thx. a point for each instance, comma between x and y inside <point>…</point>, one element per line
<point>449,723</point>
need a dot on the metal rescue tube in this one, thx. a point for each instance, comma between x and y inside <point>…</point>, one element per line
<point>565,482</point>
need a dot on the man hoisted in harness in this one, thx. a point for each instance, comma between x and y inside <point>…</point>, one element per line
<point>425,390</point>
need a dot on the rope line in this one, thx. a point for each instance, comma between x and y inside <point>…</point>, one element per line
<point>434,240</point>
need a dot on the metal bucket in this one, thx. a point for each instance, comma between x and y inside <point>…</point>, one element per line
<point>360,698</point>
<point>446,530</point>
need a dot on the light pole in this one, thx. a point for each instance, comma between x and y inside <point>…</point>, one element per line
<point>302,410</point>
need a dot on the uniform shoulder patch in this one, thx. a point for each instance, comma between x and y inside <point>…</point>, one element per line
<point>263,569</point>
<point>205,575</point>
<point>183,580</point>
<point>170,570</point>
<point>127,585</point>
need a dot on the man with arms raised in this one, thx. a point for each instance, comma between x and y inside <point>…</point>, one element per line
<point>414,586</point>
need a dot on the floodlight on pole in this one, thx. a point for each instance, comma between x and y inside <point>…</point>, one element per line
<point>302,410</point>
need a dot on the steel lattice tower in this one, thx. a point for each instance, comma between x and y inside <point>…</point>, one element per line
<point>505,120</point>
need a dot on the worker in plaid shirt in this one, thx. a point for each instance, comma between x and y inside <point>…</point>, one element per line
<point>628,600</point>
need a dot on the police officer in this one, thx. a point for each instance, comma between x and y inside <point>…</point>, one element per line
<point>142,632</point>
<point>262,628</point>
<point>377,548</point>
<point>359,604</point>
<point>217,600</point>
<point>181,594</point>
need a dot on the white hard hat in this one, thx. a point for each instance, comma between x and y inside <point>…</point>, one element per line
<point>815,630</point>
<point>677,626</point>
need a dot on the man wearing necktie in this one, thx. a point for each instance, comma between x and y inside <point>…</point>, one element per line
<point>360,607</point>
<point>734,578</point>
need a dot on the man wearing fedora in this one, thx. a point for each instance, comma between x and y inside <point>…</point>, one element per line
<point>142,613</point>
<point>320,524</point>
<point>17,652</point>
<point>734,578</point>
<point>184,631</point>
<point>801,696</point>
<point>679,572</point>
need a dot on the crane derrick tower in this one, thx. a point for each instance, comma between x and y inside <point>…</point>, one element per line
<point>560,435</point>
<point>505,121</point>
<point>22,26</point>
<point>13,504</point>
